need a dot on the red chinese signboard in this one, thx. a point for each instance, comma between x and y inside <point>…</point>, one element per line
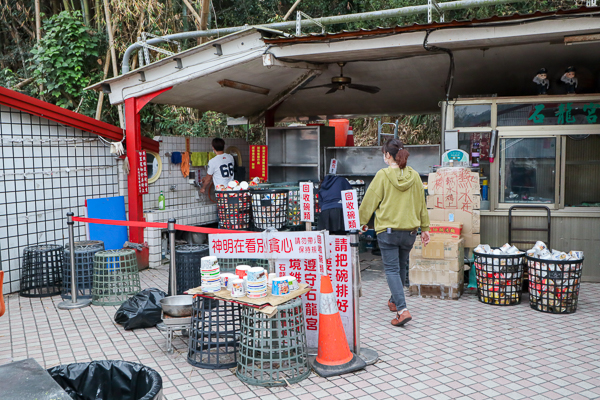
<point>339,269</point>
<point>142,172</point>
<point>259,160</point>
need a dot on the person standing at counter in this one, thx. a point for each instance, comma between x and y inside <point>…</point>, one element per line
<point>220,168</point>
<point>397,198</point>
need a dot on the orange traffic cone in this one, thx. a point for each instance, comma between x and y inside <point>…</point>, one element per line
<point>334,356</point>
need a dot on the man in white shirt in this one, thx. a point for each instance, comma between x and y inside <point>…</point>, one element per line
<point>220,168</point>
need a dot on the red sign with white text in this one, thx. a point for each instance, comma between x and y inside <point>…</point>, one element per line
<point>259,159</point>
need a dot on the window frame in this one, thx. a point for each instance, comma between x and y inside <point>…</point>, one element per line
<point>559,132</point>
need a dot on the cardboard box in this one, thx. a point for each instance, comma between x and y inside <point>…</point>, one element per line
<point>441,292</point>
<point>446,278</point>
<point>471,221</point>
<point>445,230</point>
<point>457,179</point>
<point>438,249</point>
<point>472,240</point>
<point>436,201</point>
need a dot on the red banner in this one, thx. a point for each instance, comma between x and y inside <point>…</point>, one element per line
<point>259,160</point>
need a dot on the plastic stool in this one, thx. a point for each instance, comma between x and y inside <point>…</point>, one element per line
<point>84,267</point>
<point>116,277</point>
<point>187,264</point>
<point>41,271</point>
<point>273,351</point>
<point>214,334</point>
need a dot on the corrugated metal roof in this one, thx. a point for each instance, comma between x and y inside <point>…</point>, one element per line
<point>384,31</point>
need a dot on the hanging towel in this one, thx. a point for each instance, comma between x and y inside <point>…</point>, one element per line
<point>211,155</point>
<point>176,157</point>
<point>199,159</point>
<point>185,164</point>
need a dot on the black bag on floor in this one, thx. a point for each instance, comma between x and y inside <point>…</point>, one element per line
<point>142,310</point>
<point>108,380</point>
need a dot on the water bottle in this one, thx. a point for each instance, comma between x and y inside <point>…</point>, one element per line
<point>161,201</point>
<point>484,190</point>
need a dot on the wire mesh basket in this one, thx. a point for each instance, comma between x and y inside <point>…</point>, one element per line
<point>84,268</point>
<point>360,191</point>
<point>41,270</point>
<point>499,278</point>
<point>116,277</point>
<point>229,264</point>
<point>187,266</point>
<point>234,209</point>
<point>554,285</point>
<point>269,208</point>
<point>273,350</point>
<point>293,202</point>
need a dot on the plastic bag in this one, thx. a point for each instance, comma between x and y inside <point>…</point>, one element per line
<point>108,380</point>
<point>142,310</point>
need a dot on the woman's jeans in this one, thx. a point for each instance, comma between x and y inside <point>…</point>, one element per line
<point>395,250</point>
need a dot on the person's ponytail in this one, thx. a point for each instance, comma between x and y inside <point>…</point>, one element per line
<point>396,149</point>
<point>402,158</point>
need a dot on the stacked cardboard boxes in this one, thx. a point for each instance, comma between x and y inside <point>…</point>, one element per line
<point>454,194</point>
<point>436,270</point>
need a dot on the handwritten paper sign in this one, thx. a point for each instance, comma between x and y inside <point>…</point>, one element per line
<point>350,209</point>
<point>307,202</point>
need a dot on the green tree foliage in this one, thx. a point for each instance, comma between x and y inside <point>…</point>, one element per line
<point>72,51</point>
<point>66,61</point>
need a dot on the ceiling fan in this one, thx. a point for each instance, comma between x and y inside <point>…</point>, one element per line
<point>342,82</point>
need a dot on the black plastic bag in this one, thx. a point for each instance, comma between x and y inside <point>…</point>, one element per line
<point>108,380</point>
<point>142,310</point>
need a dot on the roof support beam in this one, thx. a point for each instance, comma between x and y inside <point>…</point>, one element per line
<point>287,92</point>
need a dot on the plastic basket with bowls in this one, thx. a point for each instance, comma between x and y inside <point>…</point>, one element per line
<point>554,284</point>
<point>499,276</point>
<point>269,208</point>
<point>359,186</point>
<point>234,208</point>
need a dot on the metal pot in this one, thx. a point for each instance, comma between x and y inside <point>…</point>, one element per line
<point>177,306</point>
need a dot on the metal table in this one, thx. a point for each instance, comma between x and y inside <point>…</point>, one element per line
<point>27,379</point>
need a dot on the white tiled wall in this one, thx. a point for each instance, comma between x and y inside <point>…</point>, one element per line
<point>185,203</point>
<point>33,207</point>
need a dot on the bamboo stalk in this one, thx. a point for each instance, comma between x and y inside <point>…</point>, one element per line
<point>101,97</point>
<point>197,18</point>
<point>86,11</point>
<point>67,5</point>
<point>113,52</point>
<point>98,14</point>
<point>291,10</point>
<point>204,20</point>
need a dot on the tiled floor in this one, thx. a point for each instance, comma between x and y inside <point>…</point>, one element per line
<point>451,349</point>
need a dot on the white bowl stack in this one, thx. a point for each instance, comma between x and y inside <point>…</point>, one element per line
<point>257,283</point>
<point>211,274</point>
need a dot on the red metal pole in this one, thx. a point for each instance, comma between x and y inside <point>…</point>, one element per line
<point>133,136</point>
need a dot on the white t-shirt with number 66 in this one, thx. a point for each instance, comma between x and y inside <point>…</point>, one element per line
<point>221,169</point>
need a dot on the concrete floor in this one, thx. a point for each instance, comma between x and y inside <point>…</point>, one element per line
<point>451,349</point>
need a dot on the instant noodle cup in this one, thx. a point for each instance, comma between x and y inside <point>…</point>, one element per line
<point>242,270</point>
<point>226,280</point>
<point>237,288</point>
<point>505,247</point>
<point>540,246</point>
<point>244,185</point>
<point>576,255</point>
<point>280,287</point>
<point>292,283</point>
<point>256,274</point>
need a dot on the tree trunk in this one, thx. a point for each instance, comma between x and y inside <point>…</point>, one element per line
<point>55,7</point>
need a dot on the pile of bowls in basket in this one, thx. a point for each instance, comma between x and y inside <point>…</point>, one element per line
<point>251,282</point>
